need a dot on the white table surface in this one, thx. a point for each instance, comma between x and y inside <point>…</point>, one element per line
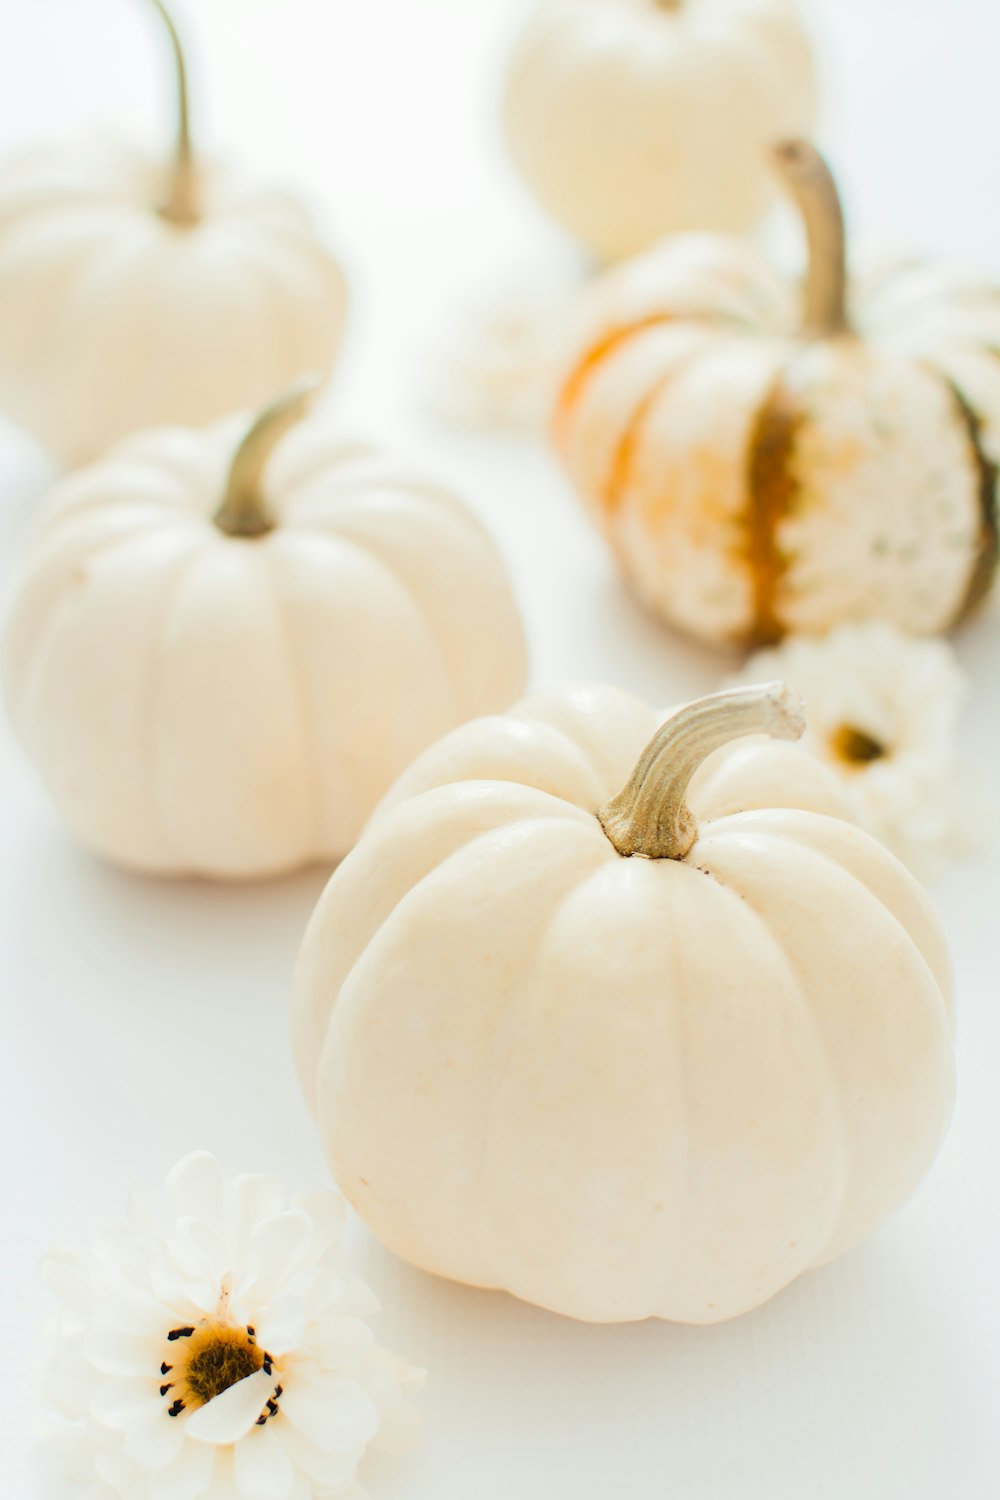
<point>143,1019</point>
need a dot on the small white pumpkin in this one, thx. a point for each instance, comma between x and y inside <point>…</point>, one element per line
<point>220,677</point>
<point>632,1057</point>
<point>765,458</point>
<point>632,119</point>
<point>137,292</point>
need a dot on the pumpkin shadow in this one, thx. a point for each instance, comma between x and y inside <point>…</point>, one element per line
<point>156,1011</point>
<point>851,1382</point>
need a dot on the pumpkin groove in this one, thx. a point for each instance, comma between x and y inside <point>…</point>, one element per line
<point>772,489</point>
<point>619,478</point>
<point>984,567</point>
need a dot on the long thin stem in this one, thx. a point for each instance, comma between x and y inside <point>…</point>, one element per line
<point>811,184</point>
<point>650,816</point>
<point>244,511</point>
<point>182,206</point>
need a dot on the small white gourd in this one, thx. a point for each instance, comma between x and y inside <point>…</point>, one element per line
<point>218,670</point>
<point>634,1053</point>
<point>138,292</point>
<point>768,458</point>
<point>632,119</point>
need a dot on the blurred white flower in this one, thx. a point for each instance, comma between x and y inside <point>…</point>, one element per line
<point>882,712</point>
<point>227,1358</point>
<point>501,358</point>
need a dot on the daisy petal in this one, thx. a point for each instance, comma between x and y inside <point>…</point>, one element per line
<point>328,1212</point>
<point>186,1479</point>
<point>261,1467</point>
<point>302,1490</point>
<point>154,1444</point>
<point>249,1198</point>
<point>210,1245</point>
<point>278,1246</point>
<point>358,1298</point>
<point>119,1403</point>
<point>116,1351</point>
<point>326,1471</point>
<point>280,1326</point>
<point>332,1412</point>
<point>136,1313</point>
<point>231,1415</point>
<point>196,1187</point>
<point>68,1278</point>
<point>342,1342</point>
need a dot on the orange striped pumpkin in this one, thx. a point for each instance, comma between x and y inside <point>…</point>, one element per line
<point>766,458</point>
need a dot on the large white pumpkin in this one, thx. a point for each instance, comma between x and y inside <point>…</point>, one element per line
<point>135,292</point>
<point>219,672</point>
<point>768,457</point>
<point>631,1057</point>
<point>632,119</point>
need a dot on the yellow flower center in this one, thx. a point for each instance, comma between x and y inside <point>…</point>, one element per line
<point>855,747</point>
<point>211,1357</point>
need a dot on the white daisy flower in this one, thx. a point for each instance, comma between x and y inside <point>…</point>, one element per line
<point>882,711</point>
<point>228,1357</point>
<point>499,363</point>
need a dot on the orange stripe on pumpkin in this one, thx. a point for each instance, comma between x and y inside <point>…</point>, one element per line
<point>590,361</point>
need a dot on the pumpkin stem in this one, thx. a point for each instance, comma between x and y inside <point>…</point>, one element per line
<point>182,205</point>
<point>811,184</point>
<point>650,817</point>
<point>244,511</point>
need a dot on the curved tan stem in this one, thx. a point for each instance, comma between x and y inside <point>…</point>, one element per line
<point>650,816</point>
<point>244,511</point>
<point>182,205</point>
<point>811,184</point>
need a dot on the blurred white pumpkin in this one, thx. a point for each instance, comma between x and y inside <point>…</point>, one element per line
<point>765,457</point>
<point>220,676</point>
<point>640,1055</point>
<point>632,119</point>
<point>135,292</point>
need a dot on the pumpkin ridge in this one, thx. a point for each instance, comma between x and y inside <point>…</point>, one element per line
<point>988,475</point>
<point>502,1051</point>
<point>314,843</point>
<point>150,708</point>
<point>790,831</point>
<point>613,490</point>
<point>751,902</point>
<point>374,548</point>
<point>592,358</point>
<point>772,491</point>
<point>835,1213</point>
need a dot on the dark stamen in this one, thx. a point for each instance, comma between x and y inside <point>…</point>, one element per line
<point>179,1333</point>
<point>856,746</point>
<point>165,1388</point>
<point>176,1409</point>
<point>219,1363</point>
<point>165,1369</point>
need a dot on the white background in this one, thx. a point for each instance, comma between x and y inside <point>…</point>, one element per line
<point>142,1019</point>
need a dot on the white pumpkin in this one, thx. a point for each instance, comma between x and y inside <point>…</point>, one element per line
<point>765,458</point>
<point>221,676</point>
<point>625,1058</point>
<point>135,292</point>
<point>632,119</point>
